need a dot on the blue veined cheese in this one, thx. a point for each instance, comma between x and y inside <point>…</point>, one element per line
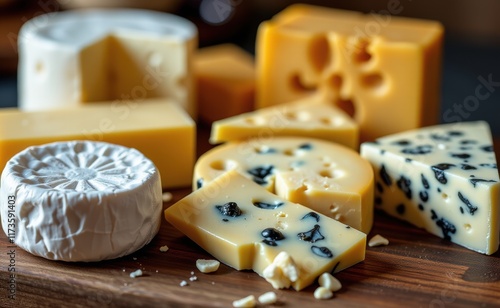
<point>324,176</point>
<point>246,227</point>
<point>441,178</point>
<point>80,200</point>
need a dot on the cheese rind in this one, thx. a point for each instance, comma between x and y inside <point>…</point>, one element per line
<point>160,129</point>
<point>309,117</point>
<point>225,76</point>
<point>327,177</point>
<point>441,178</point>
<point>81,200</point>
<point>80,56</point>
<point>225,218</point>
<point>355,61</point>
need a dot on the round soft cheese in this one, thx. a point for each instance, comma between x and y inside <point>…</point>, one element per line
<point>324,176</point>
<point>77,56</point>
<point>80,200</point>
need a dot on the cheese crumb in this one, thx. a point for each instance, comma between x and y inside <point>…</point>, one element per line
<point>268,298</point>
<point>137,273</point>
<point>323,293</point>
<point>183,283</point>
<point>248,301</point>
<point>378,240</point>
<point>164,248</point>
<point>328,281</point>
<point>207,266</point>
<point>282,272</point>
<point>193,278</point>
<point>166,197</point>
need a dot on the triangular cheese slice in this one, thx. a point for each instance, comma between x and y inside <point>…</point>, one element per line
<point>442,178</point>
<point>247,227</point>
<point>309,117</point>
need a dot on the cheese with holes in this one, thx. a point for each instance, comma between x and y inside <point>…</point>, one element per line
<point>246,227</point>
<point>327,177</point>
<point>225,77</point>
<point>81,56</point>
<point>80,200</point>
<point>441,178</point>
<point>161,130</point>
<point>374,67</point>
<point>309,117</point>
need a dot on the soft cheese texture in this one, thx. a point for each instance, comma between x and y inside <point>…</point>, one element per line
<point>80,56</point>
<point>161,130</point>
<point>246,227</point>
<point>309,117</point>
<point>327,177</point>
<point>225,76</point>
<point>81,200</point>
<point>373,67</point>
<point>441,178</point>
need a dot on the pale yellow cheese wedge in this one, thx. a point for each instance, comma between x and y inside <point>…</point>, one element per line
<point>160,129</point>
<point>324,176</point>
<point>383,70</point>
<point>246,227</point>
<point>309,117</point>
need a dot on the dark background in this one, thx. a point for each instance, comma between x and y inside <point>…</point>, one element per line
<point>471,49</point>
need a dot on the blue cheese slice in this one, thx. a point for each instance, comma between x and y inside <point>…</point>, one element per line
<point>245,226</point>
<point>81,200</point>
<point>442,178</point>
<point>324,176</point>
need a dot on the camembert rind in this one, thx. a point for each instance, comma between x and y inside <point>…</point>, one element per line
<point>80,56</point>
<point>81,200</point>
<point>246,227</point>
<point>441,178</point>
<point>324,176</point>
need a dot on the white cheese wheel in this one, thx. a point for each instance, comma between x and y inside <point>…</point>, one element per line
<point>73,57</point>
<point>81,200</point>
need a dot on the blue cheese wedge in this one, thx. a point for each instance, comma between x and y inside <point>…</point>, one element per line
<point>246,227</point>
<point>324,176</point>
<point>442,178</point>
<point>80,200</point>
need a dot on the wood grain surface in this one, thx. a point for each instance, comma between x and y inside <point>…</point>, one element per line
<point>415,270</point>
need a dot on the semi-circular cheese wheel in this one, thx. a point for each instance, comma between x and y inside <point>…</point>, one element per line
<point>324,176</point>
<point>77,56</point>
<point>80,200</point>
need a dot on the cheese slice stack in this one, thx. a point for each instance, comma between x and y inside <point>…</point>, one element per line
<point>443,179</point>
<point>309,117</point>
<point>324,176</point>
<point>80,200</point>
<point>246,227</point>
<point>76,57</point>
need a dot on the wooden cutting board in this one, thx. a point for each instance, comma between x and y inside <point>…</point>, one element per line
<point>415,270</point>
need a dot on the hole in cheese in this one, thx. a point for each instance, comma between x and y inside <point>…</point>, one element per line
<point>347,106</point>
<point>319,53</point>
<point>326,173</point>
<point>336,82</point>
<point>373,81</point>
<point>360,53</point>
<point>223,165</point>
<point>298,85</point>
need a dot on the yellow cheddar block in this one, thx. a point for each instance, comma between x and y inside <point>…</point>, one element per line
<point>225,76</point>
<point>160,129</point>
<point>309,117</point>
<point>373,67</point>
<point>247,227</point>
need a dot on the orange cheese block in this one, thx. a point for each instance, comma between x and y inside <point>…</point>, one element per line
<point>374,67</point>
<point>159,129</point>
<point>225,76</point>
